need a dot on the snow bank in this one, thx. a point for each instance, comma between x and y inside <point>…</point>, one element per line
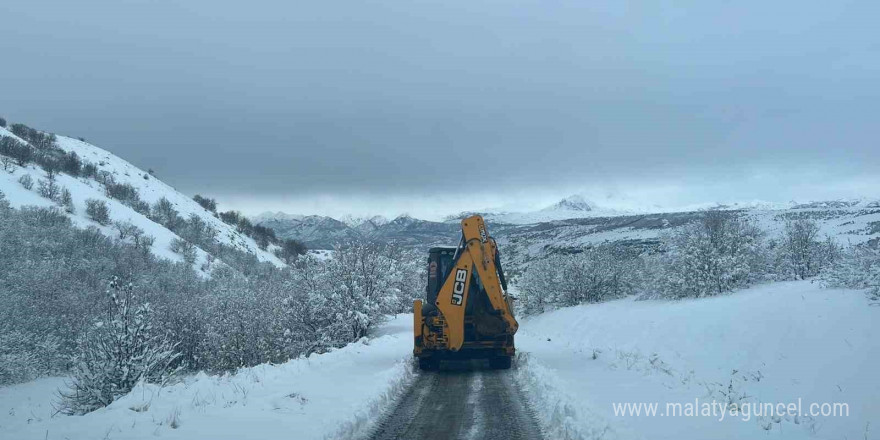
<point>336,394</point>
<point>775,343</point>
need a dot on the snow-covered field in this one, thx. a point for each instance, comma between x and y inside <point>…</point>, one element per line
<point>334,394</point>
<point>775,343</point>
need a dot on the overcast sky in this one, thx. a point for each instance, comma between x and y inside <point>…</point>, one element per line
<point>433,107</point>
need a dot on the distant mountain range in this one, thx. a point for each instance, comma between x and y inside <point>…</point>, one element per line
<point>570,225</point>
<point>320,232</point>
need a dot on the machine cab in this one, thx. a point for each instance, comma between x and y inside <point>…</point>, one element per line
<point>439,264</point>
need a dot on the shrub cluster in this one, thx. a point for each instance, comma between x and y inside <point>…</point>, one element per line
<point>40,148</point>
<point>857,268</point>
<point>594,275</point>
<point>207,203</point>
<point>719,252</point>
<point>264,236</point>
<point>55,317</point>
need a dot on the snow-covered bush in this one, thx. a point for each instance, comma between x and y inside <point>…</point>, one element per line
<point>198,231</point>
<point>330,303</point>
<point>718,253</point>
<point>246,313</point>
<point>594,275</point>
<point>104,177</point>
<point>857,267</point>
<point>290,250</point>
<point>206,202</point>
<point>26,181</point>
<point>98,211</point>
<point>245,226</point>
<point>230,217</point>
<point>185,249</point>
<point>144,242</point>
<point>801,254</point>
<point>89,170</point>
<point>38,139</point>
<point>124,192</point>
<point>66,201</point>
<point>122,349</point>
<point>25,355</point>
<point>358,280</point>
<point>126,229</point>
<point>17,362</point>
<point>407,278</point>
<point>163,212</point>
<point>263,236</point>
<point>17,150</point>
<point>48,188</point>
<point>128,195</point>
<point>71,164</point>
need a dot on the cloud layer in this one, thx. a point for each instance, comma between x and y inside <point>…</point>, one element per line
<point>319,105</point>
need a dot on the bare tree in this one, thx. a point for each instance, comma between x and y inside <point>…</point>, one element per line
<point>126,229</point>
<point>8,164</point>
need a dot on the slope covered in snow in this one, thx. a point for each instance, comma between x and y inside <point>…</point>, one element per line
<point>775,343</point>
<point>150,189</point>
<point>339,394</point>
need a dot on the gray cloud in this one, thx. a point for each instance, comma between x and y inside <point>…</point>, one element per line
<point>311,104</point>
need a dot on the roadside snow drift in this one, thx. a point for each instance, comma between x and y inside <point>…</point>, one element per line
<point>337,394</point>
<point>776,343</point>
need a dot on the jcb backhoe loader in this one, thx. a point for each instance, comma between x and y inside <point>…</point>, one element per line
<point>468,313</point>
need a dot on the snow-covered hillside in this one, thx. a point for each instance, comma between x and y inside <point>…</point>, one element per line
<point>150,190</point>
<point>775,343</point>
<point>846,223</point>
<point>337,394</point>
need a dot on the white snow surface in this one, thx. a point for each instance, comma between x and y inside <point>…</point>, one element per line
<point>338,394</point>
<point>150,190</point>
<point>774,343</point>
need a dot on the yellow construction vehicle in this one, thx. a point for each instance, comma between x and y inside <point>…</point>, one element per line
<point>467,313</point>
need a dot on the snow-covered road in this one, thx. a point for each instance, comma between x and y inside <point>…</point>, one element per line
<point>464,400</point>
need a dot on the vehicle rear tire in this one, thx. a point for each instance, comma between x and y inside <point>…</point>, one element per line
<point>500,362</point>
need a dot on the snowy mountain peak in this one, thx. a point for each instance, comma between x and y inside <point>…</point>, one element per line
<point>278,215</point>
<point>403,219</point>
<point>574,202</point>
<point>364,221</point>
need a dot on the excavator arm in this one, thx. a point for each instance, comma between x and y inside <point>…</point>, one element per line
<point>477,253</point>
